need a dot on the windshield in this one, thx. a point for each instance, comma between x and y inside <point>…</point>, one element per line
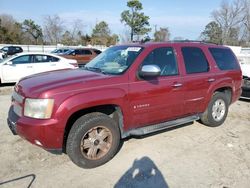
<point>115,60</point>
<point>69,52</point>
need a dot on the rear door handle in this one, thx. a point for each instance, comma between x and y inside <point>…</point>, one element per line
<point>53,65</point>
<point>177,85</point>
<point>29,66</point>
<point>211,80</point>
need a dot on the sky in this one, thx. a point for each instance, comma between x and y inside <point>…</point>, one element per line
<point>184,18</point>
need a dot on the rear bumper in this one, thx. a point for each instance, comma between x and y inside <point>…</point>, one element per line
<point>43,133</point>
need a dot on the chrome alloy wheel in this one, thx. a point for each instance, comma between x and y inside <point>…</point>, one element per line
<point>218,109</point>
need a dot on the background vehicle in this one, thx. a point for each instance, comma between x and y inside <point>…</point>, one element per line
<point>82,55</point>
<point>11,50</point>
<point>127,90</point>
<point>24,64</point>
<point>243,55</point>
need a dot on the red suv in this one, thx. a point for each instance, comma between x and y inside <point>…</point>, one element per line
<point>127,90</point>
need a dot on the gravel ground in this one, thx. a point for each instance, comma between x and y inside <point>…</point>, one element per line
<point>188,156</point>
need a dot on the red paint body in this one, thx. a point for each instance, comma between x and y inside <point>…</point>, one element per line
<point>74,90</point>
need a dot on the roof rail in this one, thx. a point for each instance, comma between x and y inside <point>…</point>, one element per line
<point>195,41</point>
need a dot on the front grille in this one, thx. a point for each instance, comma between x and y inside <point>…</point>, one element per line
<point>17,101</point>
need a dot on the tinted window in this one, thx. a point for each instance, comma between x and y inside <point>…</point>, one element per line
<point>165,59</point>
<point>224,58</point>
<point>22,59</point>
<point>87,52</point>
<point>97,51</point>
<point>195,60</point>
<point>78,52</point>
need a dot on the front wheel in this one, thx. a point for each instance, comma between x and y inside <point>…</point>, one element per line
<point>216,111</point>
<point>93,140</point>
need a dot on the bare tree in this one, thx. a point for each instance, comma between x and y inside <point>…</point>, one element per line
<point>53,29</point>
<point>230,17</point>
<point>247,21</point>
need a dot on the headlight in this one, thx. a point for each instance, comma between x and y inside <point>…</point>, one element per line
<point>38,108</point>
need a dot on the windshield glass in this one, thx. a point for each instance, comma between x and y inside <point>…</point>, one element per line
<point>115,60</point>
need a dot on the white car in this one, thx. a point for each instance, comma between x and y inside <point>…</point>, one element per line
<point>25,64</point>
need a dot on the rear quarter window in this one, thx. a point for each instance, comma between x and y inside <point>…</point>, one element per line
<point>224,59</point>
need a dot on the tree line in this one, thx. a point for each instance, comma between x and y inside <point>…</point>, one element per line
<point>230,25</point>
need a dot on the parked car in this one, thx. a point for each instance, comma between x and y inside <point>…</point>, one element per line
<point>243,55</point>
<point>2,54</point>
<point>127,90</point>
<point>24,64</point>
<point>82,55</point>
<point>245,67</point>
<point>11,50</point>
<point>60,51</point>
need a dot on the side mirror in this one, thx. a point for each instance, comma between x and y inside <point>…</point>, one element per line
<point>150,71</point>
<point>73,53</point>
<point>9,63</point>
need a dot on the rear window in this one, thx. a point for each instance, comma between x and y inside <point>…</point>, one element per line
<point>224,58</point>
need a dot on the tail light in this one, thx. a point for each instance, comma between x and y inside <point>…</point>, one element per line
<point>74,64</point>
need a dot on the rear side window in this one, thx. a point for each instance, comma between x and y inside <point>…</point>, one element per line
<point>195,60</point>
<point>224,58</point>
<point>97,51</point>
<point>87,52</point>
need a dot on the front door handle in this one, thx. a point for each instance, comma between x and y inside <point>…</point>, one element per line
<point>177,85</point>
<point>29,66</point>
<point>211,80</point>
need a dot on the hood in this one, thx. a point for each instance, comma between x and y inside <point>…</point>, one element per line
<point>50,83</point>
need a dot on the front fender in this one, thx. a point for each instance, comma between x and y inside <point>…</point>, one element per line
<point>90,99</point>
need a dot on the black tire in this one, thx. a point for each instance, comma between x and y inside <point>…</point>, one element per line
<point>80,134</point>
<point>207,118</point>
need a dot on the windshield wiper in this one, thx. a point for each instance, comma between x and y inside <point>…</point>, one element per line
<point>95,69</point>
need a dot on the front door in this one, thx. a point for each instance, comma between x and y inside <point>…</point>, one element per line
<point>19,67</point>
<point>159,99</point>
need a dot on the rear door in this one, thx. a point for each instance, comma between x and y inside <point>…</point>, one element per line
<point>44,63</point>
<point>85,55</point>
<point>197,80</point>
<point>21,66</point>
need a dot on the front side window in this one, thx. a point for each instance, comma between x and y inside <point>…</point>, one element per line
<point>22,59</point>
<point>224,58</point>
<point>195,60</point>
<point>115,60</point>
<point>165,59</point>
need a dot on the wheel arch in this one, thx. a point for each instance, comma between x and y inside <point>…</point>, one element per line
<point>112,110</point>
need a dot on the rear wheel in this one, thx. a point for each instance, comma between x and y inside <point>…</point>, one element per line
<point>216,111</point>
<point>93,140</point>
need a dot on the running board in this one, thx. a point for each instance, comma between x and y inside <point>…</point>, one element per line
<point>158,127</point>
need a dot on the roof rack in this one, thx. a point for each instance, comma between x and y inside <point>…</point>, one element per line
<point>195,41</point>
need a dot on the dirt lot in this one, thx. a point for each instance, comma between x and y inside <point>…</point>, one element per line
<point>189,156</point>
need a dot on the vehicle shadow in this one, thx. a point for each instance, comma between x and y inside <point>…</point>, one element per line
<point>143,173</point>
<point>33,177</point>
<point>244,100</point>
<point>7,84</point>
